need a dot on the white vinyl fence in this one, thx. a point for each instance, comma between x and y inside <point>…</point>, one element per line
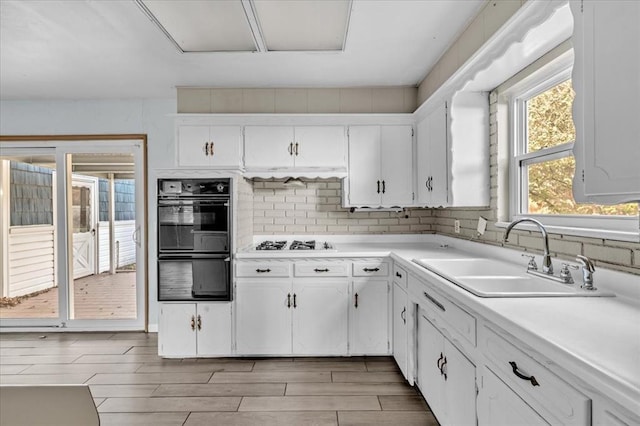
<point>31,259</point>
<point>125,246</point>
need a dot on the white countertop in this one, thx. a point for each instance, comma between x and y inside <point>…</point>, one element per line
<point>597,339</point>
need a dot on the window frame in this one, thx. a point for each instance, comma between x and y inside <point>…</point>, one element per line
<point>547,76</point>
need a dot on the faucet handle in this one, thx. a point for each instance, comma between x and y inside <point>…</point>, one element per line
<point>587,272</point>
<point>586,263</point>
<point>565,273</point>
<point>532,265</point>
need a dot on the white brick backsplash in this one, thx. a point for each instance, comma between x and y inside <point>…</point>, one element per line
<point>636,257</point>
<point>618,256</point>
<point>274,213</point>
<point>337,229</point>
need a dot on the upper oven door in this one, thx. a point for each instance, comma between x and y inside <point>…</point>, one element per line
<point>193,225</point>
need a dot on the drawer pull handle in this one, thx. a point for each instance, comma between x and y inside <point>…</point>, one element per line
<point>288,300</point>
<point>371,269</point>
<point>531,379</point>
<point>398,274</point>
<point>322,270</point>
<point>403,315</point>
<point>434,301</point>
<point>262,271</point>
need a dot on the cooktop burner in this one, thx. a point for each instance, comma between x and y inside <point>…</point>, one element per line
<point>302,245</point>
<point>271,245</point>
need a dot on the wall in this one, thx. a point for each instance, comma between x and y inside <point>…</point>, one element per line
<point>299,101</point>
<point>492,16</point>
<point>315,209</point>
<point>244,213</point>
<point>618,255</point>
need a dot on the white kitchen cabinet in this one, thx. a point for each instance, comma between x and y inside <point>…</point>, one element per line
<point>320,317</point>
<point>380,166</point>
<point>431,164</point>
<point>289,148</point>
<point>209,146</point>
<point>369,317</point>
<point>194,329</point>
<point>499,406</point>
<point>606,43</point>
<point>446,377</point>
<point>263,316</point>
<point>549,395</point>
<point>605,413</point>
<point>400,329</point>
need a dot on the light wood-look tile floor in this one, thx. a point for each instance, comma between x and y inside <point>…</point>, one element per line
<point>131,385</point>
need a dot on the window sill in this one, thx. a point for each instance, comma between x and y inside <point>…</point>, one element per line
<point>630,236</point>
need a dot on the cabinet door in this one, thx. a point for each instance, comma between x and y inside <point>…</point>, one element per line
<point>364,166</point>
<point>177,330</point>
<point>191,146</point>
<point>268,147</point>
<point>369,319</point>
<point>320,146</point>
<point>498,405</point>
<point>423,163</point>
<point>224,146</point>
<point>438,160</point>
<point>396,151</point>
<point>263,318</point>
<point>460,387</point>
<point>430,358</point>
<point>213,322</point>
<point>400,335</point>
<point>606,111</point>
<point>320,317</point>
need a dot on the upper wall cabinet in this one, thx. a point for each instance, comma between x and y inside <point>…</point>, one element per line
<point>431,164</point>
<point>606,79</point>
<point>209,146</point>
<point>453,153</point>
<point>271,151</point>
<point>380,167</point>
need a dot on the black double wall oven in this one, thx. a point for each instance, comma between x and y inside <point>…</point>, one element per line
<point>194,239</point>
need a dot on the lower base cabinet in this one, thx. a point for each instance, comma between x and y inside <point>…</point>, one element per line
<point>278,317</point>
<point>401,329</point>
<point>194,329</point>
<point>369,318</point>
<point>446,378</point>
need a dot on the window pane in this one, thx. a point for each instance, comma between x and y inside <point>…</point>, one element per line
<point>549,119</point>
<point>550,192</point>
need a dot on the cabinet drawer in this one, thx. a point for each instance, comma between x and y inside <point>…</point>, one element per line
<point>444,313</point>
<point>539,387</point>
<point>399,275</point>
<point>263,269</point>
<point>370,269</point>
<point>321,269</point>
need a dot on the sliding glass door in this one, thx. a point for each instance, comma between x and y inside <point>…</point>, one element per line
<point>74,219</point>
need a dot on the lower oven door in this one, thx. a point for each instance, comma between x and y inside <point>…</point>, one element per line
<point>194,278</point>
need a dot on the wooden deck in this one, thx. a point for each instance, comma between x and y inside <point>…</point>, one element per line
<point>101,296</point>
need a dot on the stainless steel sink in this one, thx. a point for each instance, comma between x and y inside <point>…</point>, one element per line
<point>494,278</point>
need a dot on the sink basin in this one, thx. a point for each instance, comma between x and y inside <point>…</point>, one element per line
<point>494,278</point>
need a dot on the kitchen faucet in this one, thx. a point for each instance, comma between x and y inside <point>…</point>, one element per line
<point>547,266</point>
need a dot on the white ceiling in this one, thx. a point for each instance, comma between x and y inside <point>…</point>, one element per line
<point>94,49</point>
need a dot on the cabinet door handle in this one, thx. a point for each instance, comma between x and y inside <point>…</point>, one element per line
<point>531,379</point>
<point>296,149</point>
<point>398,274</point>
<point>290,149</point>
<point>355,305</point>
<point>211,149</point>
<point>199,323</point>
<point>434,301</point>
<point>288,300</point>
<point>378,187</point>
<point>321,270</point>
<point>370,269</point>
<point>384,187</point>
<point>193,323</point>
<point>206,148</point>
<point>442,370</point>
<point>439,361</point>
<point>295,303</point>
<point>403,315</point>
<point>262,271</point>
<point>431,183</point>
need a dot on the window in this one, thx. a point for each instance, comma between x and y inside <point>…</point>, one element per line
<point>542,163</point>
